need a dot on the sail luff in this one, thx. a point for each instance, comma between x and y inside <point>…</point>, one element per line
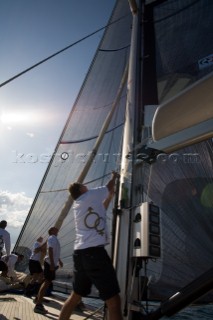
<point>93,153</point>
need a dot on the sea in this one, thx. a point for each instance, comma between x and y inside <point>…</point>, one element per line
<point>194,312</point>
<point>204,312</point>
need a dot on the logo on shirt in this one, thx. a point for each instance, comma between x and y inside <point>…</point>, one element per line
<point>93,221</point>
<point>206,62</point>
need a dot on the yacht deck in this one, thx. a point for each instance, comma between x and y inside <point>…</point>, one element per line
<point>19,307</point>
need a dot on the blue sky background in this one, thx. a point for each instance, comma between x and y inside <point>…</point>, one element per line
<point>35,106</point>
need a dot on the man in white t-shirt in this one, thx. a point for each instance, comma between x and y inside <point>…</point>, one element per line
<point>35,268</point>
<point>11,260</point>
<point>92,265</point>
<point>51,263</point>
<point>4,239</point>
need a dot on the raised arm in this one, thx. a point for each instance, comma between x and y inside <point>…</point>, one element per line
<point>41,248</point>
<point>110,185</point>
<point>7,243</point>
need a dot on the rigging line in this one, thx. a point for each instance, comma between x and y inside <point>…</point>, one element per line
<point>87,182</point>
<point>60,51</point>
<point>114,50</point>
<point>93,313</point>
<point>91,138</point>
<point>108,104</point>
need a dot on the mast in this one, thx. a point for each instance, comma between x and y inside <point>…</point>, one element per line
<point>141,64</point>
<point>123,223</point>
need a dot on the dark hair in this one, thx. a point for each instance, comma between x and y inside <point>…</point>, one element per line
<point>74,190</point>
<point>51,230</point>
<point>18,254</point>
<point>3,224</point>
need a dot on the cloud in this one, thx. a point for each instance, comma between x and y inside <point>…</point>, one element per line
<point>30,134</point>
<point>14,208</point>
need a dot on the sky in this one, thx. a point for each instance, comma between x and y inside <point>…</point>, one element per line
<point>34,107</point>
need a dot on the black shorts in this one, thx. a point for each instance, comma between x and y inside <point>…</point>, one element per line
<point>94,266</point>
<point>48,274</point>
<point>35,267</point>
<point>3,266</point>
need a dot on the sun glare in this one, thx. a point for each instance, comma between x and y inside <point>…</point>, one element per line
<point>10,118</point>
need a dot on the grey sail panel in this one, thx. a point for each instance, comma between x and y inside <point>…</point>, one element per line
<point>181,184</point>
<point>183,44</point>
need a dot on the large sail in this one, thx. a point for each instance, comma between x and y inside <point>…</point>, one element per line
<point>93,104</point>
<point>174,49</point>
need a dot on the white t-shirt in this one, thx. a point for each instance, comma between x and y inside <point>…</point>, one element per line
<point>36,256</point>
<point>90,219</point>
<point>5,241</point>
<point>10,263</point>
<point>53,243</point>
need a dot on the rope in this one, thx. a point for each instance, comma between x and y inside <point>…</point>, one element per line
<point>93,313</point>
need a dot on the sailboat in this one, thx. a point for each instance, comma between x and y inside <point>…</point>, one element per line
<point>145,109</point>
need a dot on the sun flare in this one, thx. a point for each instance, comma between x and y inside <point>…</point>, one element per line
<point>15,117</point>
